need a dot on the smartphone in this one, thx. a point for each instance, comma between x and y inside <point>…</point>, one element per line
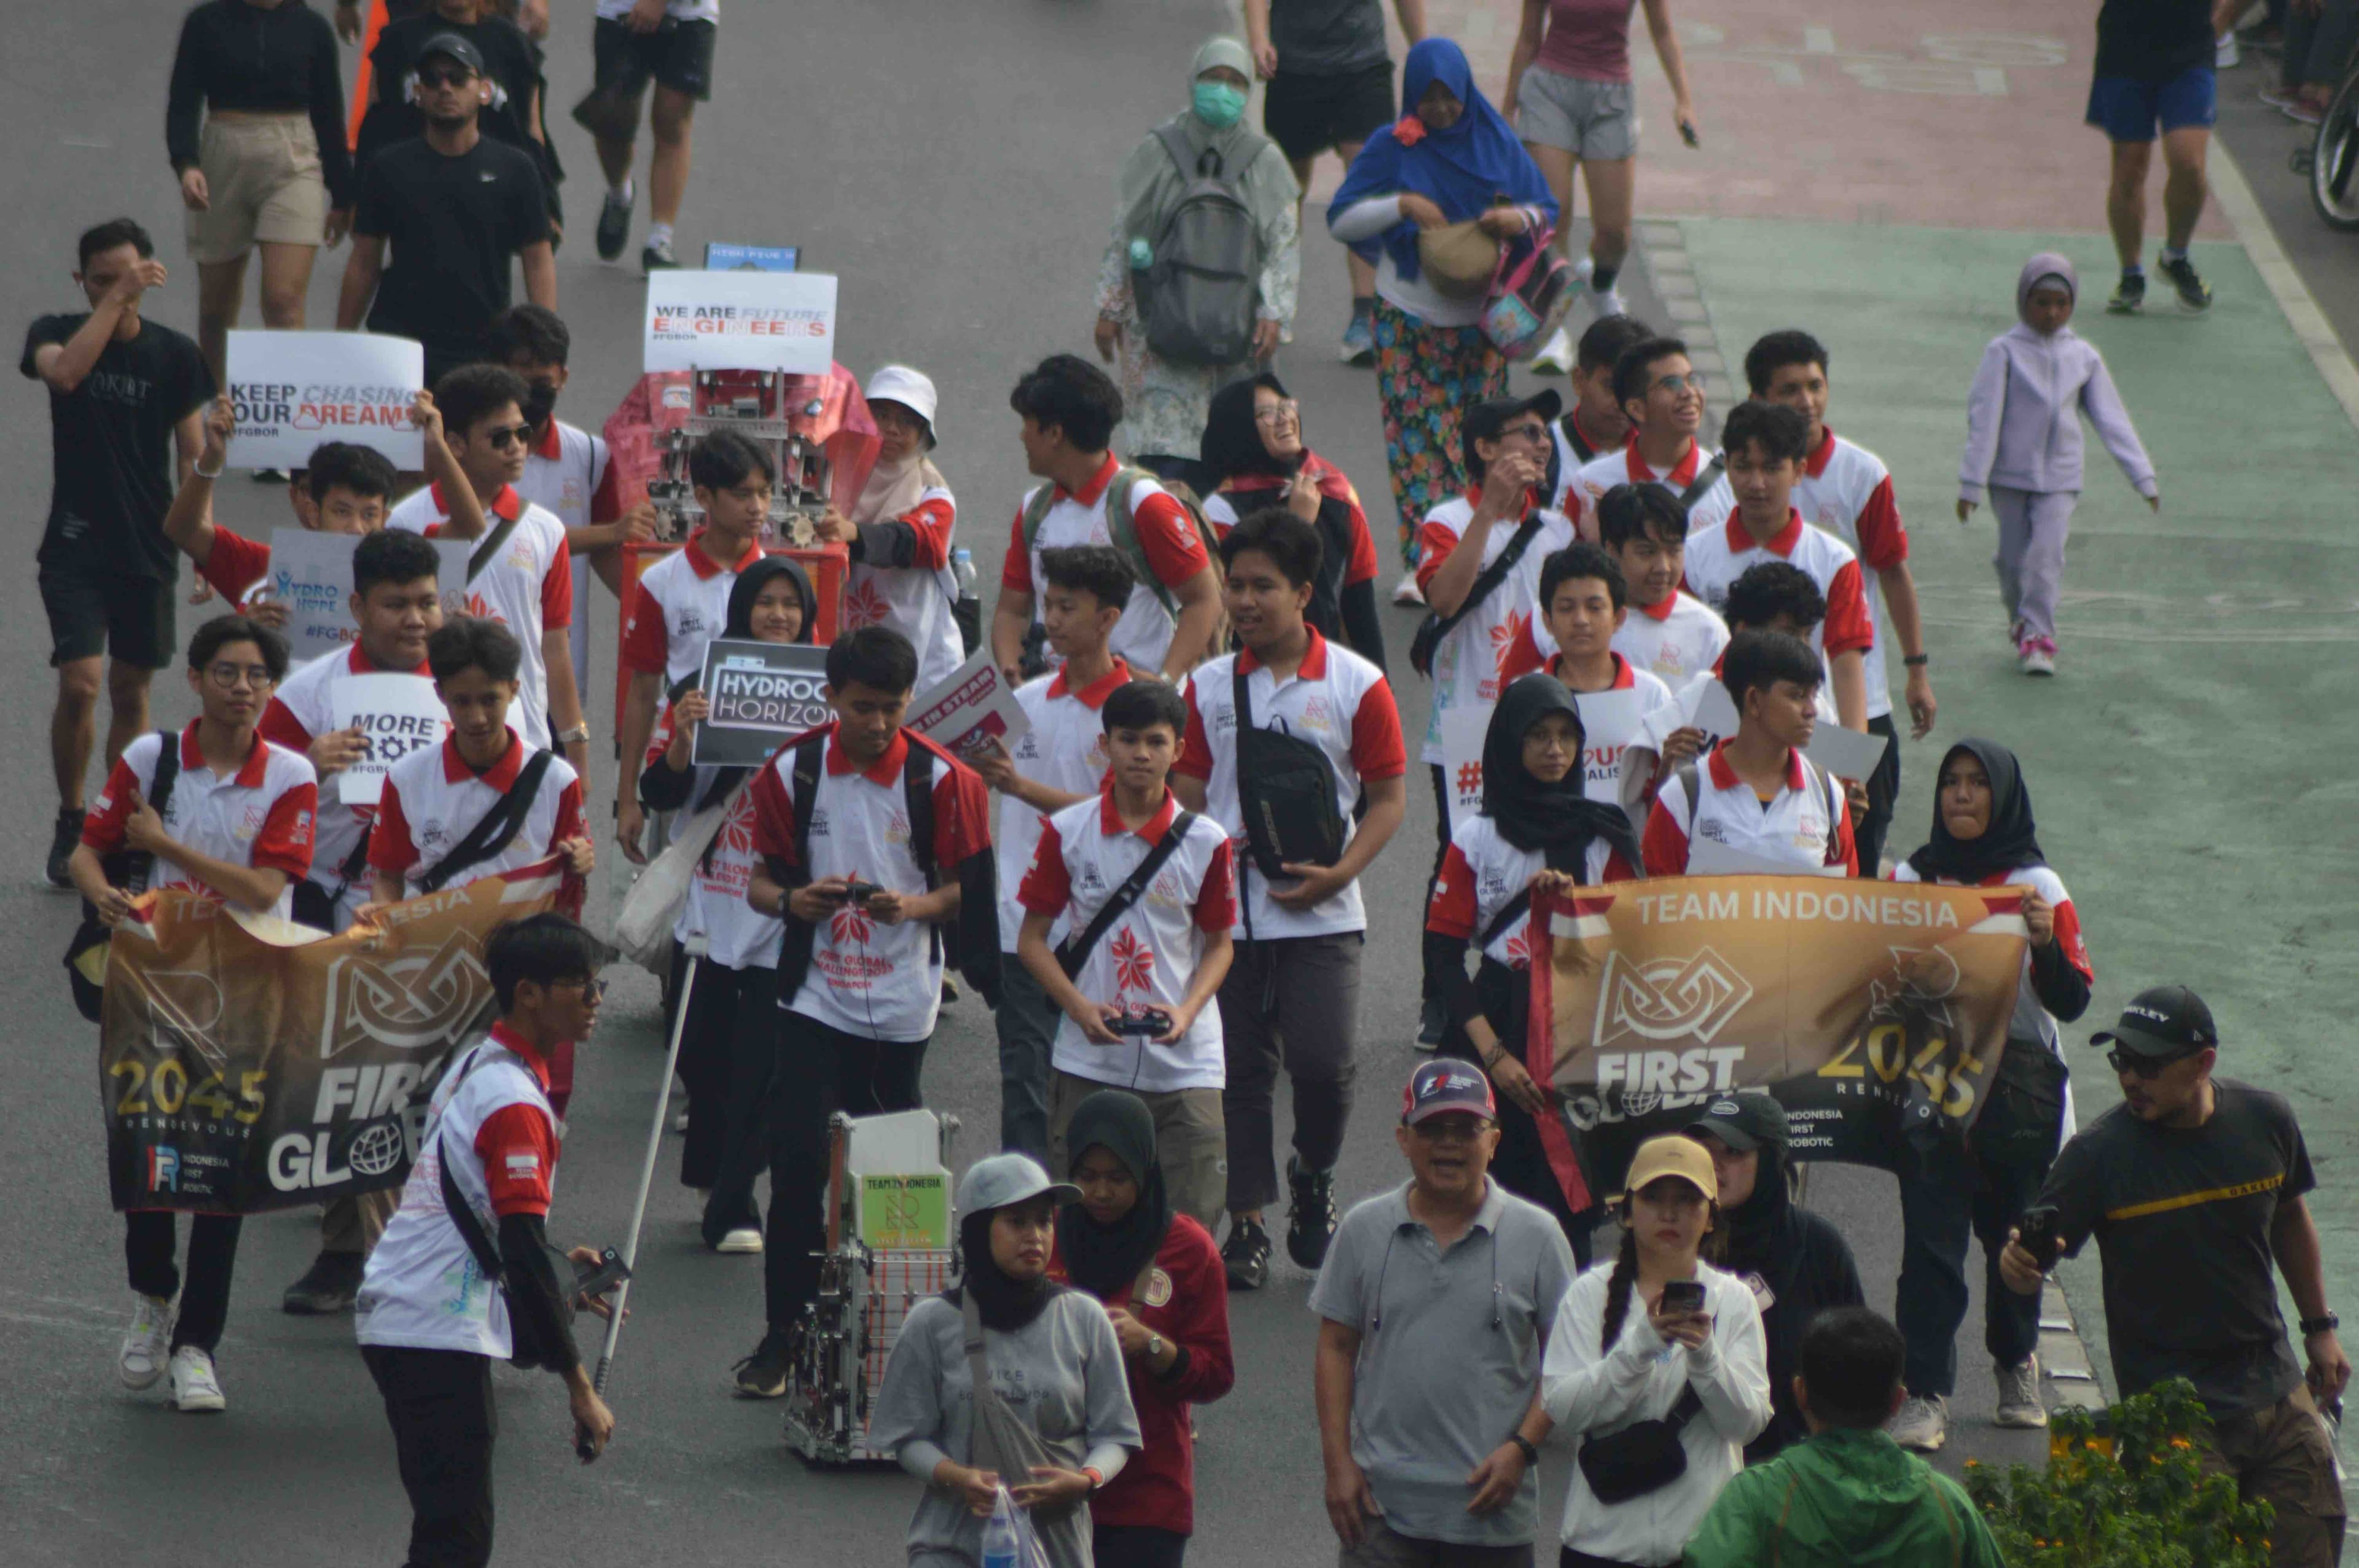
<point>2037,1234</point>
<point>597,1279</point>
<point>1683,1295</point>
<point>857,893</point>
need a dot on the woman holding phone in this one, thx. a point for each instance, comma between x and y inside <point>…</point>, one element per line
<point>1658,1367</point>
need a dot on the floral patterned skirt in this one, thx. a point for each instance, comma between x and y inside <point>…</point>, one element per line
<point>1427,378</point>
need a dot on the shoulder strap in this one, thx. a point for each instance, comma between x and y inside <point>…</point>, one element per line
<point>918,797</point>
<point>1073,951</point>
<point>1488,580</point>
<point>495,831</point>
<point>464,1217</point>
<point>1035,511</point>
<point>1706,476</point>
<point>1509,913</point>
<point>1175,147</point>
<point>806,777</point>
<point>481,556</point>
<point>1690,1406</point>
<point>141,865</point>
<point>1123,530</point>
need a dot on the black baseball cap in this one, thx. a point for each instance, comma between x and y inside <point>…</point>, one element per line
<point>1744,1122</point>
<point>1447,1084</point>
<point>2160,1023</point>
<point>454,47</point>
<point>1484,420</point>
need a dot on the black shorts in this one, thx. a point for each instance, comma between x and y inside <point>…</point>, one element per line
<point>1305,115</point>
<point>128,617</point>
<point>677,55</point>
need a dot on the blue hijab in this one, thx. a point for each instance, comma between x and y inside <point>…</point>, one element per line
<point>1466,170</point>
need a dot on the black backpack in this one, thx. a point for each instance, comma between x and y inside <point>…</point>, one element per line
<point>1197,297</point>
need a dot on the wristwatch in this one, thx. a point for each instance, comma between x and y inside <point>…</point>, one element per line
<point>1153,1346</point>
<point>1917,661</point>
<point>1531,1455</point>
<point>2324,1323</point>
<point>578,732</point>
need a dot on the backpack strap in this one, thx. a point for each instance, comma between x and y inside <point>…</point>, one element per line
<point>1074,950</point>
<point>481,556</point>
<point>1509,913</point>
<point>806,777</point>
<point>1124,529</point>
<point>1706,476</point>
<point>1175,147</point>
<point>496,830</point>
<point>918,798</point>
<point>140,865</point>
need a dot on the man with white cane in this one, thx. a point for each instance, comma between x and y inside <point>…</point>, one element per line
<point>440,1302</point>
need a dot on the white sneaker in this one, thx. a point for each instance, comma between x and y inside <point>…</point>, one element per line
<point>195,1388</point>
<point>744,1239</point>
<point>1406,592</point>
<point>1923,1424</point>
<point>2224,55</point>
<point>2018,1395</point>
<point>2037,656</point>
<point>1556,355</point>
<point>147,1342</point>
<point>680,1121</point>
<point>1607,302</point>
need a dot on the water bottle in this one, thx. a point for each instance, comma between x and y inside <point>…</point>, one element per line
<point>1000,1547</point>
<point>967,608</point>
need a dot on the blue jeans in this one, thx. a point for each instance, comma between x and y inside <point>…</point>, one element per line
<point>1953,1198</point>
<point>1027,1028</point>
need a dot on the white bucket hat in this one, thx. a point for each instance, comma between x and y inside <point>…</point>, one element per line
<point>912,389</point>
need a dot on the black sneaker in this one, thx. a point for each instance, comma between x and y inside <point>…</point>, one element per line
<point>1311,1222</point>
<point>613,225</point>
<point>2129,296</point>
<point>2194,294</point>
<point>658,256</point>
<point>763,1374</point>
<point>1432,1024</point>
<point>1246,1255</point>
<point>61,848</point>
<point>327,1287</point>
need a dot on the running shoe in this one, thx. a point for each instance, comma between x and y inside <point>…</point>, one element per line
<point>328,1286</point>
<point>658,256</point>
<point>147,1343</point>
<point>763,1374</point>
<point>1607,302</point>
<point>2194,294</point>
<point>741,1239</point>
<point>2281,99</point>
<point>62,839</point>
<point>2037,656</point>
<point>196,1387</point>
<point>1406,593</point>
<point>1556,355</point>
<point>2018,1395</point>
<point>1311,1220</point>
<point>2223,52</point>
<point>1433,1021</point>
<point>615,222</point>
<point>1922,1424</point>
<point>1245,1256</point>
<point>2304,112</point>
<point>2129,296</point>
<point>1359,344</point>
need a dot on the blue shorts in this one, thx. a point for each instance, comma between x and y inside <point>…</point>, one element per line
<point>2128,108</point>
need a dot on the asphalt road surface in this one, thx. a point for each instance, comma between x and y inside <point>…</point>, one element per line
<point>954,164</point>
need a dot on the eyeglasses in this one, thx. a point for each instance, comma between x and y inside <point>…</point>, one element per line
<point>1530,430</point>
<point>1691,382</point>
<point>459,78</point>
<point>2143,1066</point>
<point>1285,411</point>
<point>505,436</point>
<point>229,677</point>
<point>593,991</point>
<point>1449,1129</point>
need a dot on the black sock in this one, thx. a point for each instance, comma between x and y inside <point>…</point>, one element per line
<point>1363,304</point>
<point>2134,271</point>
<point>1600,279</point>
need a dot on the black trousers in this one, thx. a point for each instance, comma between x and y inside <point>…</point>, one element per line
<point>819,1072</point>
<point>1136,1546</point>
<point>440,1405</point>
<point>148,1241</point>
<point>727,1051</point>
<point>1883,789</point>
<point>1521,1165</point>
<point>1437,953</point>
<point>744,1151</point>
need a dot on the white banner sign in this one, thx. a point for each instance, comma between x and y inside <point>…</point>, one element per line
<point>290,391</point>
<point>970,708</point>
<point>312,574</point>
<point>1846,753</point>
<point>397,714</point>
<point>1462,729</point>
<point>740,320</point>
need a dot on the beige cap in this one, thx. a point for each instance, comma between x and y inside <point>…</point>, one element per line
<point>1673,1154</point>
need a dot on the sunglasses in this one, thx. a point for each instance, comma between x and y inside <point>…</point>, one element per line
<point>593,991</point>
<point>2143,1066</point>
<point>1691,382</point>
<point>505,436</point>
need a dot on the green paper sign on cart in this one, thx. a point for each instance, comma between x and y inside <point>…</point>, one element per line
<point>901,1212</point>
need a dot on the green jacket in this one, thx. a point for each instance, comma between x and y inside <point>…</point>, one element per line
<point>1844,1499</point>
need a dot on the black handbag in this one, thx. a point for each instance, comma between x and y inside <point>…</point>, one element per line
<point>2023,1116</point>
<point>86,954</point>
<point>1286,794</point>
<point>1644,1456</point>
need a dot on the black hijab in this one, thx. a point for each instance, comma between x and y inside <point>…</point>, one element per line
<point>1558,818</point>
<point>1233,443</point>
<point>1004,1303</point>
<point>2010,841</point>
<point>1103,1259</point>
<point>740,625</point>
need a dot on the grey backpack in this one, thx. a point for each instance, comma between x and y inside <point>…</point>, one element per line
<point>1196,298</point>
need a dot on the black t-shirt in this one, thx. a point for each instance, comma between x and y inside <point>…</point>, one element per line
<point>2153,39</point>
<point>111,459</point>
<point>1327,38</point>
<point>2181,1218</point>
<point>453,225</point>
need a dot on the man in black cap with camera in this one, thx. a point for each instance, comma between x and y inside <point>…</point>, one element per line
<point>2191,1186</point>
<point>1796,1262</point>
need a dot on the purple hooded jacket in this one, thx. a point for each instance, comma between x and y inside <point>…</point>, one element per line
<point>2022,417</point>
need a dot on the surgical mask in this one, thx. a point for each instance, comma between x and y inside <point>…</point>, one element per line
<point>540,403</point>
<point>1218,104</point>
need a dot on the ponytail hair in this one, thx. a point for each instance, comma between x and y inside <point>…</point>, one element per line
<point>1712,1250</point>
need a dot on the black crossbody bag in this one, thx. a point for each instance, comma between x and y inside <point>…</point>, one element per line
<point>1074,950</point>
<point>85,958</point>
<point>1285,793</point>
<point>1644,1456</point>
<point>495,831</point>
<point>1436,626</point>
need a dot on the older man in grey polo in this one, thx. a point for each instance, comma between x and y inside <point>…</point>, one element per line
<point>1434,1302</point>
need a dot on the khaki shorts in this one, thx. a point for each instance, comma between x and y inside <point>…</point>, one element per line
<point>264,181</point>
<point>1596,122</point>
<point>1191,1141</point>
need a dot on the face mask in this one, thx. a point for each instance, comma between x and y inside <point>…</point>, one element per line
<point>540,403</point>
<point>1218,104</point>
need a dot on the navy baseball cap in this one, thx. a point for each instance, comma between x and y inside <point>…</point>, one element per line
<point>1742,1122</point>
<point>2161,1024</point>
<point>452,46</point>
<point>1447,1084</point>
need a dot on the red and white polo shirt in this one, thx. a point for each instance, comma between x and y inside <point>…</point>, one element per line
<point>1166,533</point>
<point>1336,700</point>
<point>1627,467</point>
<point>1807,825</point>
<point>528,588</point>
<point>1481,872</point>
<point>303,709</point>
<point>491,1116</point>
<point>433,799</point>
<point>683,604</point>
<point>1065,749</point>
<point>877,981</point>
<point>261,815</point>
<point>1574,450</point>
<point>1718,557</point>
<point>1601,759</point>
<point>1251,491</point>
<point>568,472</point>
<point>1473,664</point>
<point>1148,956</point>
<point>1847,491</point>
<point>736,934</point>
<point>916,599</point>
<point>1675,641</point>
<point>2032,1020</point>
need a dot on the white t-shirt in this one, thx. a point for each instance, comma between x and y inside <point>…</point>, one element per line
<point>1166,534</point>
<point>1336,700</point>
<point>528,589</point>
<point>1481,872</point>
<point>1480,655</point>
<point>567,473</point>
<point>683,604</point>
<point>261,815</point>
<point>1151,954</point>
<point>1065,749</point>
<point>1676,640</point>
<point>303,709</point>
<point>917,601</point>
<point>1627,467</point>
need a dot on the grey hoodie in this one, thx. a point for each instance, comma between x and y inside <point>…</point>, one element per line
<point>2023,416</point>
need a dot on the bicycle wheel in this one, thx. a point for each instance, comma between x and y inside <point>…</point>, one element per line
<point>2334,166</point>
